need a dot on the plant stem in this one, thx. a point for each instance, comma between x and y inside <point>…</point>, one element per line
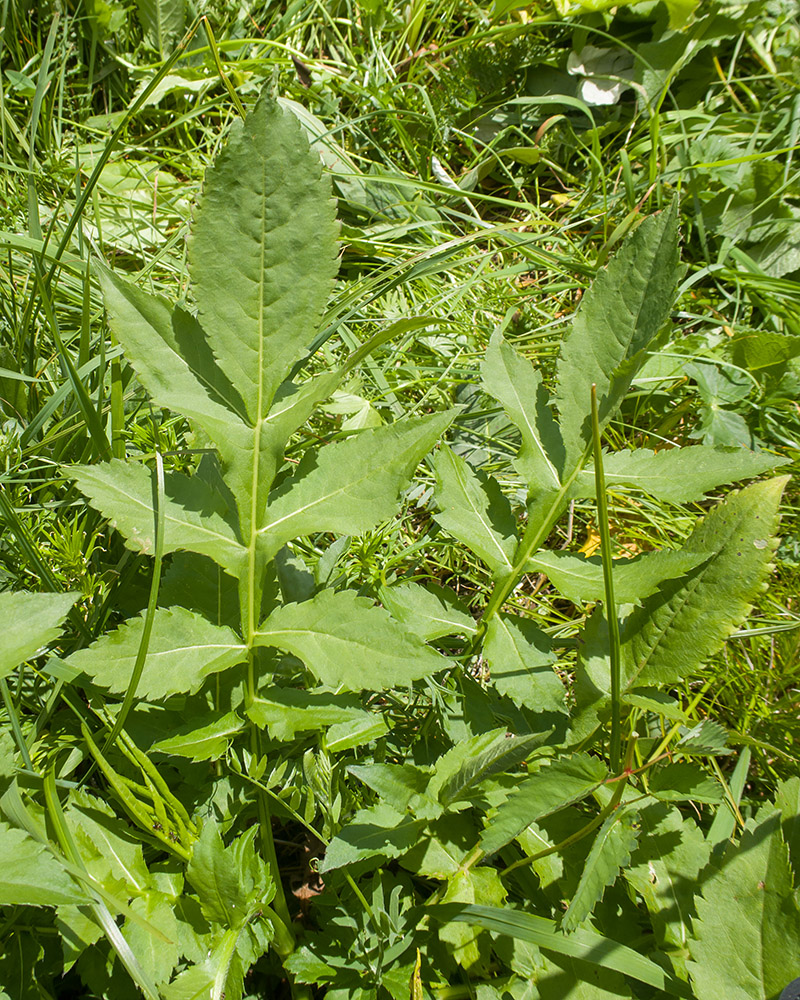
<point>608,584</point>
<point>539,527</point>
<point>601,817</point>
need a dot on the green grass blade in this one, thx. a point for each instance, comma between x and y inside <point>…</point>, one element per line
<point>152,603</point>
<point>100,911</point>
<point>584,944</point>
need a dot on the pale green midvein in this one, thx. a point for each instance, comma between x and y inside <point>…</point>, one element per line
<point>254,601</point>
<point>485,524</point>
<point>535,436</point>
<point>251,569</point>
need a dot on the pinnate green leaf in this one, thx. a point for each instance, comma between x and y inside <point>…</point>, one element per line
<point>473,509</point>
<point>747,930</point>
<point>430,611</point>
<point>184,649</point>
<point>580,579</point>
<point>678,628</point>
<point>664,870</point>
<point>521,662</point>
<point>194,516</point>
<point>207,741</point>
<point>517,386</point>
<point>163,22</point>
<point>284,712</point>
<point>107,851</point>
<point>707,739</point>
<point>402,786</point>
<point>347,642</point>
<point>377,832</point>
<point>265,218</point>
<point>351,485</point>
<point>505,752</point>
<point>618,319</point>
<point>30,621</point>
<point>569,977</point>
<point>552,787</point>
<point>230,882</point>
<point>476,886</point>
<point>440,852</point>
<point>169,353</point>
<point>610,851</point>
<point>679,474</point>
<point>157,956</point>
<point>787,800</point>
<point>460,755</point>
<point>30,875</point>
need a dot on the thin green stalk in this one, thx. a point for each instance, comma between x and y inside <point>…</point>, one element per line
<point>573,838</point>
<point>608,584</point>
<point>117,414</point>
<point>34,225</point>
<point>540,526</point>
<point>100,911</point>
<point>152,604</point>
<point>90,414</point>
<point>11,709</point>
<point>223,75</point>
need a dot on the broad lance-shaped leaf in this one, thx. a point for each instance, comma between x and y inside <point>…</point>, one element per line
<point>347,642</point>
<point>517,386</point>
<point>170,354</point>
<point>503,755</point>
<point>203,738</point>
<point>610,851</point>
<point>473,509</point>
<point>667,879</point>
<point>377,832</point>
<point>581,580</point>
<point>351,485</point>
<point>430,611</point>
<point>618,319</point>
<point>124,493</point>
<point>677,629</point>
<point>284,712</point>
<point>554,786</point>
<point>679,474</point>
<point>262,255</point>
<point>746,938</point>
<point>30,621</point>
<point>30,875</point>
<point>521,662</point>
<point>184,649</point>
